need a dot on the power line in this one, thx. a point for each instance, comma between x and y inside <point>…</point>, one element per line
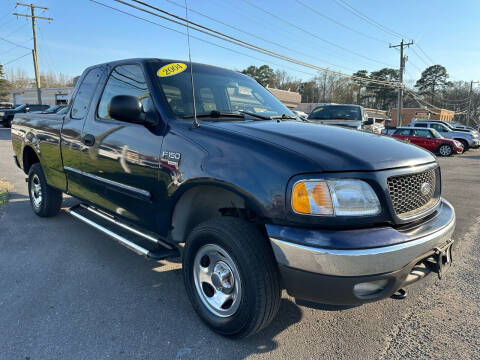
<point>13,48</point>
<point>20,57</point>
<point>371,21</point>
<point>426,55</point>
<point>11,42</point>
<point>258,37</point>
<point>312,34</point>
<point>199,39</point>
<point>228,38</point>
<point>340,24</point>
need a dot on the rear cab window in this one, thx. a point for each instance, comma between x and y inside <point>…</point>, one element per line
<point>84,95</point>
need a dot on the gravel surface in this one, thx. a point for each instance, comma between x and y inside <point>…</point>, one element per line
<point>67,291</point>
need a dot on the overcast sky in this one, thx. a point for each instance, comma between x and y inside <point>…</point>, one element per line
<point>84,33</point>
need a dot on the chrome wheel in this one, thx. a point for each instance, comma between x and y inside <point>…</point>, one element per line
<point>445,150</point>
<point>36,191</point>
<point>217,280</point>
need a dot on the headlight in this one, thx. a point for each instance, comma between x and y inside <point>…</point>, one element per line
<point>334,197</point>
<point>2,113</point>
<point>457,143</point>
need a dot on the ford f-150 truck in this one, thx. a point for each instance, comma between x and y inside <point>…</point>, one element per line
<point>252,198</point>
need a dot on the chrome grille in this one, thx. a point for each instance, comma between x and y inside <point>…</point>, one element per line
<point>414,193</point>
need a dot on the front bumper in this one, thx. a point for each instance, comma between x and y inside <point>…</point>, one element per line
<point>475,143</point>
<point>328,273</point>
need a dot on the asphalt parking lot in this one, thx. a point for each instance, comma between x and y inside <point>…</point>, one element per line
<point>69,292</point>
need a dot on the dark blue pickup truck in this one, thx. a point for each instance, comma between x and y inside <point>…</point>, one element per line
<point>252,198</point>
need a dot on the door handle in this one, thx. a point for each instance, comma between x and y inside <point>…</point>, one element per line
<point>88,139</point>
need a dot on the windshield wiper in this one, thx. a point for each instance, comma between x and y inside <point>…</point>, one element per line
<point>283,116</point>
<point>216,114</point>
<point>255,115</point>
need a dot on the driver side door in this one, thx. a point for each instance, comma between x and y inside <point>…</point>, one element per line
<point>122,158</point>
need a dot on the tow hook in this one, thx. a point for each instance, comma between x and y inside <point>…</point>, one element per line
<point>400,294</point>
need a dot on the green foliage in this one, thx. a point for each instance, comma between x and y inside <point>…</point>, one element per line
<point>432,78</point>
<point>263,74</point>
<point>385,96</point>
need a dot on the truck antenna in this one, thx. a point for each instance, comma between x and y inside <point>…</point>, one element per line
<point>195,120</point>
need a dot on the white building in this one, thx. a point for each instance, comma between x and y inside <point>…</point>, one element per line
<point>50,96</point>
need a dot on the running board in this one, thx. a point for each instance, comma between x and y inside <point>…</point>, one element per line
<point>162,251</point>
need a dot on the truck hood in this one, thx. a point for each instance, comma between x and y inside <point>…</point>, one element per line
<point>332,148</point>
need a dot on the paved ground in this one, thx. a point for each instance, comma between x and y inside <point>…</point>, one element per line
<point>69,292</point>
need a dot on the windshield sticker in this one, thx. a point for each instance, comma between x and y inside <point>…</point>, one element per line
<point>318,109</point>
<point>171,69</point>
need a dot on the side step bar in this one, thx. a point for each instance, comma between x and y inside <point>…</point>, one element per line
<point>168,251</point>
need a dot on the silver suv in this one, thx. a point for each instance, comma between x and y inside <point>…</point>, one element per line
<point>468,139</point>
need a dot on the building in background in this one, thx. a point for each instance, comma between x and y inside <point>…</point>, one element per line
<point>380,119</point>
<point>290,99</point>
<point>421,113</point>
<point>50,96</point>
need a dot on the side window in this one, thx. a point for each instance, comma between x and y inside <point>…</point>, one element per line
<point>124,80</point>
<point>85,93</point>
<point>421,125</point>
<point>422,133</point>
<point>403,132</point>
<point>438,127</point>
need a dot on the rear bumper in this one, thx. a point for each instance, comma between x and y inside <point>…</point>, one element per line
<point>328,275</point>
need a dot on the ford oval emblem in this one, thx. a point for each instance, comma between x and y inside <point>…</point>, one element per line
<point>425,189</point>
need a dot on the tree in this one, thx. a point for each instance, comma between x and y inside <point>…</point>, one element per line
<point>263,74</point>
<point>358,84</point>
<point>3,85</point>
<point>385,96</point>
<point>432,77</point>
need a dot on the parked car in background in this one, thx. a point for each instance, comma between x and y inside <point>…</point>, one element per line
<point>429,139</point>
<point>467,138</point>
<point>51,110</point>
<point>462,127</point>
<point>346,115</point>
<point>6,116</point>
<point>372,126</point>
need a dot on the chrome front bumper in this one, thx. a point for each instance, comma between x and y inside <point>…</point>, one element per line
<point>419,241</point>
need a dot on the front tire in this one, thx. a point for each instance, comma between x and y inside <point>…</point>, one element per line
<point>465,144</point>
<point>45,200</point>
<point>231,276</point>
<point>445,150</point>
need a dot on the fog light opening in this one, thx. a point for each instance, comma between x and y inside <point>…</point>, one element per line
<point>370,288</point>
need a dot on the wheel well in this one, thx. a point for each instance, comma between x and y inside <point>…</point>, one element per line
<point>205,202</point>
<point>29,158</point>
<point>463,141</point>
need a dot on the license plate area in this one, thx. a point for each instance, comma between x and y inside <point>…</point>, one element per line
<point>441,259</point>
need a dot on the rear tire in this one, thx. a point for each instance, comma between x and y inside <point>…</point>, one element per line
<point>445,150</point>
<point>45,200</point>
<point>231,276</point>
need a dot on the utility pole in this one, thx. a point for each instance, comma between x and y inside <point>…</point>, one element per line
<point>470,100</point>
<point>400,88</point>
<point>35,51</point>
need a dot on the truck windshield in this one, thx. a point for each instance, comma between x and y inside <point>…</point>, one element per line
<point>218,91</point>
<point>336,112</point>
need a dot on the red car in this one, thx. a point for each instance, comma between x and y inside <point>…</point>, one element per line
<point>429,139</point>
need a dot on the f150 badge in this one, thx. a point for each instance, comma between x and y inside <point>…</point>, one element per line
<point>171,157</point>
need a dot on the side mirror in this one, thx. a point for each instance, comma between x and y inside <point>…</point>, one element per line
<point>126,108</point>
